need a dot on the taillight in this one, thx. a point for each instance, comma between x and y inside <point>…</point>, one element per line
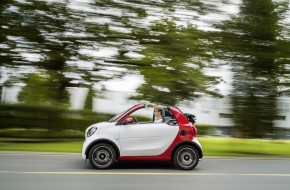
<point>194,130</point>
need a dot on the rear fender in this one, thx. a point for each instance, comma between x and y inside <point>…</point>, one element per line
<point>191,143</point>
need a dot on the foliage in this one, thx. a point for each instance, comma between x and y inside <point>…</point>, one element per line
<point>44,89</point>
<point>253,50</point>
<point>203,129</point>
<point>173,66</point>
<point>48,47</point>
<point>51,118</point>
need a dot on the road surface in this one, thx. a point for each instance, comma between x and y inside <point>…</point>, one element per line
<point>53,171</point>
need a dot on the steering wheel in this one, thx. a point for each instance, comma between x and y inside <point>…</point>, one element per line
<point>135,120</point>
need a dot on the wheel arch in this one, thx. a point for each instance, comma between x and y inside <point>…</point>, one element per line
<point>103,141</point>
<point>190,143</point>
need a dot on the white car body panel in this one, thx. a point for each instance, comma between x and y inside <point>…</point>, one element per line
<point>105,130</point>
<point>148,139</point>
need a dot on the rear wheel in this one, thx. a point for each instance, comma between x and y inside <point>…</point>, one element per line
<point>186,157</point>
<point>102,156</point>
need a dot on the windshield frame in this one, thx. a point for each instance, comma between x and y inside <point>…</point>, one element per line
<point>119,115</point>
<point>128,111</point>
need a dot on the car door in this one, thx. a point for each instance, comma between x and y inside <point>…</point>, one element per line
<point>148,139</point>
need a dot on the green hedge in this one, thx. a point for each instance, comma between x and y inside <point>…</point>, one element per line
<point>203,129</point>
<point>54,119</point>
<point>37,134</point>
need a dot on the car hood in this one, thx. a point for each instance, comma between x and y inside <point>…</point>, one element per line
<point>100,125</point>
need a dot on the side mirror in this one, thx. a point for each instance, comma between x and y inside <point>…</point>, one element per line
<point>128,120</point>
<point>172,122</point>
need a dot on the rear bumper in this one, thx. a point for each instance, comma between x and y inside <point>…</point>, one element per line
<point>197,143</point>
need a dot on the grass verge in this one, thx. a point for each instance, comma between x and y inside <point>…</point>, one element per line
<point>212,147</point>
<point>245,147</point>
<point>75,146</point>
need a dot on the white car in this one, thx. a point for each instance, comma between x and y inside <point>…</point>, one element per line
<point>124,138</point>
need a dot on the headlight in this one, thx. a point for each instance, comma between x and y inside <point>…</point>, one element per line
<point>91,131</point>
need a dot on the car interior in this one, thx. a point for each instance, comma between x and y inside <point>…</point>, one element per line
<point>166,115</point>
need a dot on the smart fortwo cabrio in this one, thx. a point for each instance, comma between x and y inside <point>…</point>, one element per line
<point>124,138</point>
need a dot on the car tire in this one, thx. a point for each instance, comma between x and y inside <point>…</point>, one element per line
<point>102,156</point>
<point>186,157</point>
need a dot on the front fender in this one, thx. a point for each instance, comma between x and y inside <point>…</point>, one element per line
<point>89,142</point>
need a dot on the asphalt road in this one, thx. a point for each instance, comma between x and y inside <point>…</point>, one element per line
<point>53,171</point>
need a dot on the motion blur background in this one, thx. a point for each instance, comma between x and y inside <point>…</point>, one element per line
<point>66,64</point>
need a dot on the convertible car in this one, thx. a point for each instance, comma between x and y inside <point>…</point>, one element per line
<point>125,138</point>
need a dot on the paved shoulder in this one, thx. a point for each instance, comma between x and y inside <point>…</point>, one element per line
<point>31,170</point>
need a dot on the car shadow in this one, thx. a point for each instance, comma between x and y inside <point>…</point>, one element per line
<point>130,165</point>
<point>138,165</point>
<point>144,165</point>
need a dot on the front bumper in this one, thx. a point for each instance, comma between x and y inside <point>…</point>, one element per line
<point>86,145</point>
<point>84,151</point>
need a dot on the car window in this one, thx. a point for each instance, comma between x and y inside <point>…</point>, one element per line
<point>118,115</point>
<point>168,115</point>
<point>143,115</point>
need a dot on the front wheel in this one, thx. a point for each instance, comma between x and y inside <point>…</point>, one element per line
<point>102,156</point>
<point>186,157</point>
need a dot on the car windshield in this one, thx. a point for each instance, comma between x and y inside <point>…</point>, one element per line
<point>119,115</point>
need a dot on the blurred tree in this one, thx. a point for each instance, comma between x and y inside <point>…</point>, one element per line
<point>62,38</point>
<point>43,90</point>
<point>174,63</point>
<point>89,100</point>
<point>35,36</point>
<point>81,43</point>
<point>250,42</point>
<point>3,32</point>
